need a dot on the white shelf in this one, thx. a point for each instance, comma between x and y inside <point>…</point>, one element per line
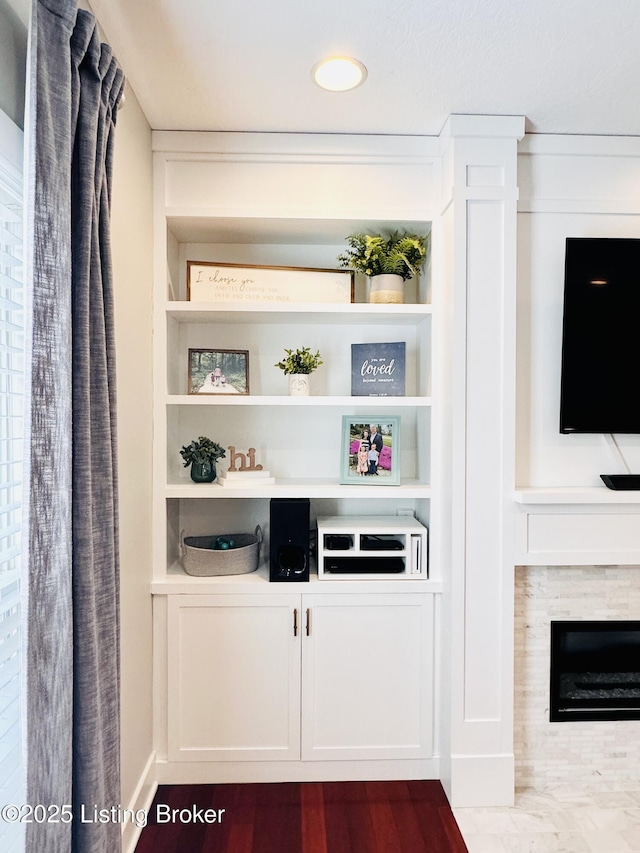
<point>195,225</point>
<point>370,403</point>
<point>577,527</point>
<point>178,582</point>
<point>290,488</point>
<point>566,495</point>
<point>292,312</point>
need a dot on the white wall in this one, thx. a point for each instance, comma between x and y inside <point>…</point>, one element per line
<point>132,244</point>
<point>569,187</point>
<point>13,56</point>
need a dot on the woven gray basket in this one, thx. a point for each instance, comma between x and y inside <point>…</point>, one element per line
<point>201,560</point>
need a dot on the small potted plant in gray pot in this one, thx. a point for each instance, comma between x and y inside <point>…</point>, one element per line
<point>388,261</point>
<point>298,365</point>
<point>202,455</point>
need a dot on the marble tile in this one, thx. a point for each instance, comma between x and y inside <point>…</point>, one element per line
<point>559,819</point>
<point>607,841</point>
<point>617,799</point>
<point>578,786</point>
<point>495,821</point>
<point>615,818</point>
<point>602,756</point>
<point>531,800</point>
<point>534,842</point>
<point>466,821</point>
<point>533,821</point>
<point>568,792</point>
<point>632,837</point>
<point>484,844</point>
<point>571,842</point>
<point>572,820</point>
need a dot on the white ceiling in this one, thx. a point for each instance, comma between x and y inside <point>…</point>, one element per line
<point>568,66</point>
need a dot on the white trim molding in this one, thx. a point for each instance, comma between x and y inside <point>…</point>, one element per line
<point>140,803</point>
<point>480,166</point>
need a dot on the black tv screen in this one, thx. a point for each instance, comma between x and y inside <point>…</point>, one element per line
<point>600,385</point>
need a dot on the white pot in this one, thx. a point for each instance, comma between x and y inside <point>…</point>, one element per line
<point>299,385</point>
<point>386,288</point>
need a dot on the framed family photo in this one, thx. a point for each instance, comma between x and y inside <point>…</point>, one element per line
<point>370,451</point>
<point>218,371</point>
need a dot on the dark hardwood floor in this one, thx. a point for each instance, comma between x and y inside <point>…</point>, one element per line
<point>309,817</point>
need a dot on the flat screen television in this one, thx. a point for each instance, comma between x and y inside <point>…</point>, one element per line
<point>600,385</point>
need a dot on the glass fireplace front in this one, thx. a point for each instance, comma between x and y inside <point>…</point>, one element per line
<point>595,671</point>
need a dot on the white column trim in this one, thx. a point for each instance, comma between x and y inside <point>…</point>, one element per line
<point>480,157</point>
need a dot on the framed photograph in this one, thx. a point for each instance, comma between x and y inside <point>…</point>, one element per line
<point>212,282</point>
<point>370,451</point>
<point>378,370</point>
<point>218,371</point>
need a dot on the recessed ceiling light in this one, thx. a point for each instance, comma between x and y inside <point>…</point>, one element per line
<point>339,73</point>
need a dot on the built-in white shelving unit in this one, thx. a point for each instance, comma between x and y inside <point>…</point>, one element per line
<point>217,636</point>
<point>296,439</point>
<point>279,652</point>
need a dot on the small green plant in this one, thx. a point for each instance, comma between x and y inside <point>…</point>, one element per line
<point>377,254</point>
<point>300,361</point>
<point>201,451</point>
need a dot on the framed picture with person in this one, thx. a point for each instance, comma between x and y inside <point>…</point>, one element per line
<point>218,371</point>
<point>370,451</point>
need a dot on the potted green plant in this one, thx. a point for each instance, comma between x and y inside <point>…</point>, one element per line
<point>388,260</point>
<point>297,365</point>
<point>202,455</point>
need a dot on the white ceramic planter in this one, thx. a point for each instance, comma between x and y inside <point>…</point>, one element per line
<point>299,385</point>
<point>386,288</point>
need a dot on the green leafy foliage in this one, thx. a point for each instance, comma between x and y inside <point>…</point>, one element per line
<point>300,361</point>
<point>378,254</point>
<point>202,450</point>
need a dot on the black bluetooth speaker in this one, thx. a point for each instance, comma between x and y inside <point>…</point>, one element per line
<point>289,539</point>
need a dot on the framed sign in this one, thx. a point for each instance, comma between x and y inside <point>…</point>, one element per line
<point>378,370</point>
<point>211,282</point>
<point>370,451</point>
<point>218,371</point>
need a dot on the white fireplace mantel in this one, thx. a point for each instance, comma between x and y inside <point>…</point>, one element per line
<point>577,527</point>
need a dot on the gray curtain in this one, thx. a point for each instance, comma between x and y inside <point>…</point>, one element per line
<point>72,651</point>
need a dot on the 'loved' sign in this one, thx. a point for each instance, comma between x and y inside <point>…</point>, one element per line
<point>378,370</point>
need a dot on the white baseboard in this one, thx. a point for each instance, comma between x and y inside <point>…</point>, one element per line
<point>140,804</point>
<point>481,780</point>
<point>216,772</point>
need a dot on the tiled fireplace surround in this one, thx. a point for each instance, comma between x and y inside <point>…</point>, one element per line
<point>586,754</point>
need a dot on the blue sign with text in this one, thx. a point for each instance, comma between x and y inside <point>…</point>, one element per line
<point>378,370</point>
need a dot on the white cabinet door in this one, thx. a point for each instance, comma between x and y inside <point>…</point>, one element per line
<point>367,676</point>
<point>233,677</point>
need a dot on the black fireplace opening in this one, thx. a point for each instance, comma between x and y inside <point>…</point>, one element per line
<point>595,671</point>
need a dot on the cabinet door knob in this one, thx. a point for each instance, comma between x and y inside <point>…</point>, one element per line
<point>295,622</point>
<point>308,622</point>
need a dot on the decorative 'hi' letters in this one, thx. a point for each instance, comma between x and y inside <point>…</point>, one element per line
<point>247,461</point>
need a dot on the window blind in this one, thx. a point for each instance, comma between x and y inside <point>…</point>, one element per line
<point>12,342</point>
